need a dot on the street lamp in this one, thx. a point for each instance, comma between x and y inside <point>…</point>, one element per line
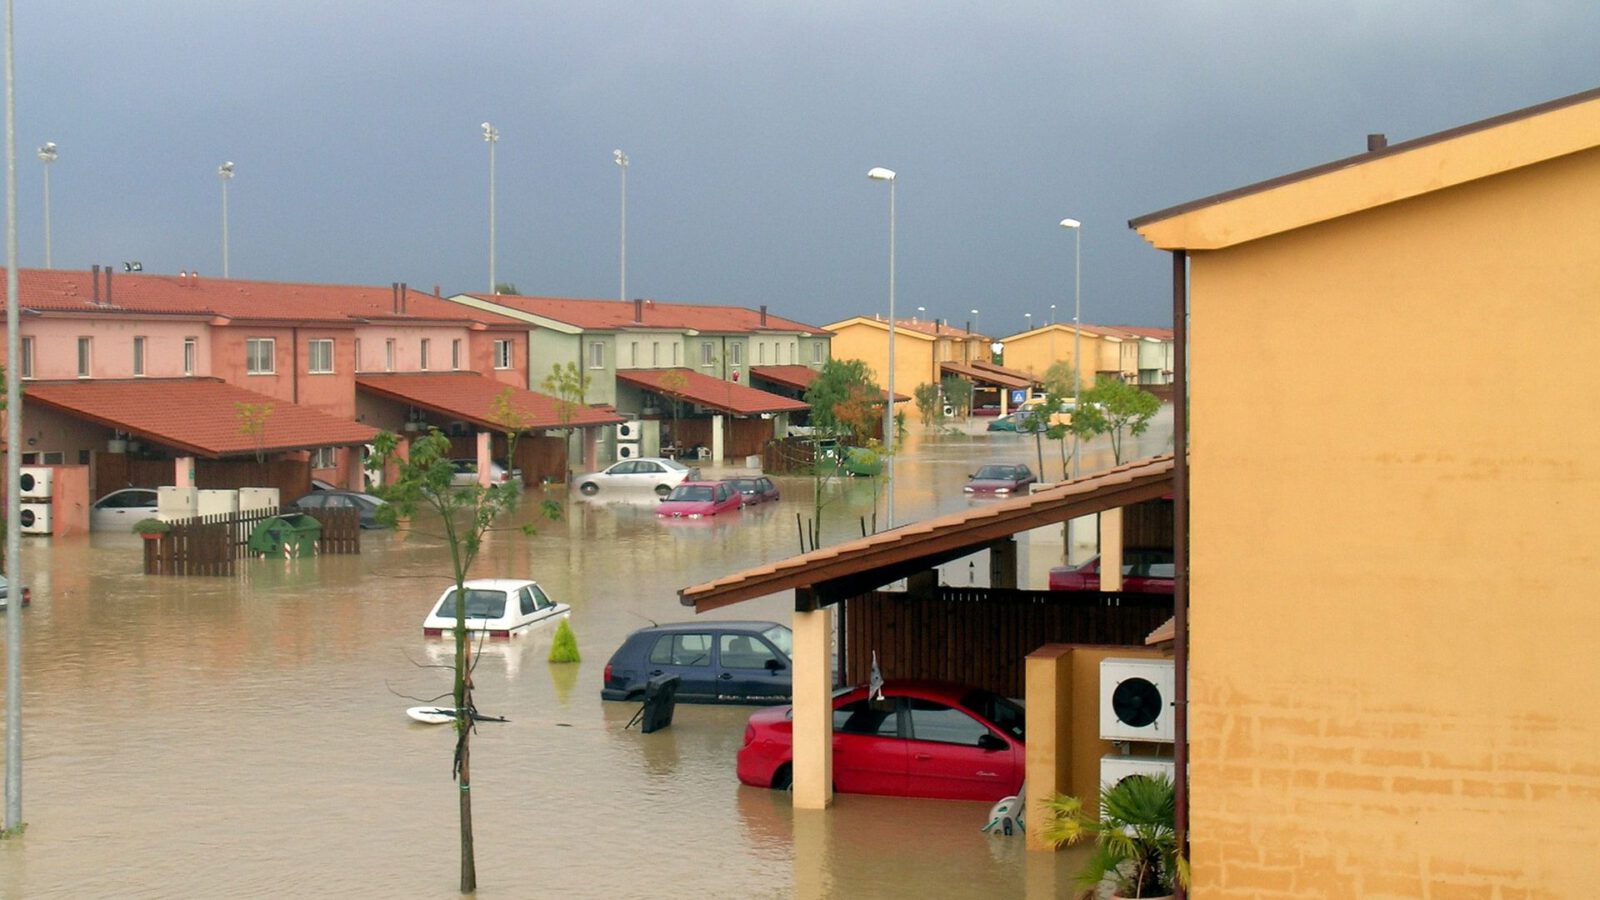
<point>47,155</point>
<point>225,175</point>
<point>621,159</point>
<point>974,320</point>
<point>1027,321</point>
<point>882,174</point>
<point>1077,331</point>
<point>922,312</point>
<point>1052,314</point>
<point>491,136</point>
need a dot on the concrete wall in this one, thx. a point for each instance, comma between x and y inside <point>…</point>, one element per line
<point>913,359</point>
<point>1394,694</point>
<point>55,346</point>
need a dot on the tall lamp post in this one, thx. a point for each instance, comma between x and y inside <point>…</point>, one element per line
<point>491,136</point>
<point>13,565</point>
<point>621,160</point>
<point>882,174</point>
<point>225,175</point>
<point>1077,330</point>
<point>47,155</point>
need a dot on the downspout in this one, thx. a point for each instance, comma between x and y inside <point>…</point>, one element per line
<point>294,365</point>
<point>1180,552</point>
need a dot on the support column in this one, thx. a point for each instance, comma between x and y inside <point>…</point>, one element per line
<point>813,705</point>
<point>355,472</point>
<point>1003,564</point>
<point>1047,679</point>
<point>716,438</point>
<point>1111,550</point>
<point>183,471</point>
<point>485,440</point>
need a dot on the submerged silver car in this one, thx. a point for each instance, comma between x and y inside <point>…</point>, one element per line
<point>646,473</point>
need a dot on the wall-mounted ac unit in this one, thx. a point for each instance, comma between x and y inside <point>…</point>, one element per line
<point>628,450</point>
<point>36,482</point>
<point>36,518</point>
<point>1136,700</point>
<point>628,431</point>
<point>1114,768</point>
<point>949,410</point>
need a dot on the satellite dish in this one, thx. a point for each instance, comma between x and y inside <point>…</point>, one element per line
<point>1136,702</point>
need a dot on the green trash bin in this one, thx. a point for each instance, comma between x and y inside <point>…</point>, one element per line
<point>291,534</point>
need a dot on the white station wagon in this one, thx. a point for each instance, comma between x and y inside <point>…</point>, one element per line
<point>502,607</point>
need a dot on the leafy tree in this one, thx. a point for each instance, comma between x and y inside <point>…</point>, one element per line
<point>672,385</point>
<point>425,480</point>
<point>568,384</point>
<point>929,402</point>
<point>958,393</point>
<point>513,421</point>
<point>1114,407</point>
<point>840,381</point>
<point>253,423</point>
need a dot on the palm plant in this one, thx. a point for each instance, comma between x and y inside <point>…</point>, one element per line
<point>1135,843</point>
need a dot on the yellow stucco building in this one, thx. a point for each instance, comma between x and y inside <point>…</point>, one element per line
<point>1393,553</point>
<point>919,347</point>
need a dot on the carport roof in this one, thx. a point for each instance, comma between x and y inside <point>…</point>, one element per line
<point>853,568</point>
<point>708,391</point>
<point>196,415</point>
<point>799,378</point>
<point>1009,378</point>
<point>471,397</point>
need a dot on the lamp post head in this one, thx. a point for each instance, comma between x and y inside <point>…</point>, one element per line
<point>225,171</point>
<point>490,133</point>
<point>880,174</point>
<point>1071,223</point>
<point>620,158</point>
<point>47,153</point>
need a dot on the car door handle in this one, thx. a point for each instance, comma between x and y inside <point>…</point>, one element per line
<point>922,757</point>
<point>726,676</point>
<point>655,673</point>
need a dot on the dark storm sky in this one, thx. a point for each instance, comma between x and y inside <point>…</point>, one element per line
<point>750,127</point>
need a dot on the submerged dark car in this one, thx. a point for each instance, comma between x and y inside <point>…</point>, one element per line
<point>757,489</point>
<point>1001,479</point>
<point>716,662</point>
<point>365,505</point>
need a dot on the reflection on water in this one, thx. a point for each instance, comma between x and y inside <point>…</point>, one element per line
<point>246,736</point>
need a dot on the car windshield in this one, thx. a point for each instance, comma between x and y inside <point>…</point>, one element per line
<point>744,485</point>
<point>1007,716</point>
<point>997,473</point>
<point>781,637</point>
<point>690,493</point>
<point>480,605</point>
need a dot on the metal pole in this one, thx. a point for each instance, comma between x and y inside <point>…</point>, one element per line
<point>492,137</point>
<point>225,173</point>
<point>13,822</point>
<point>1077,334</point>
<point>622,163</point>
<point>47,155</point>
<point>888,425</point>
<point>1180,552</point>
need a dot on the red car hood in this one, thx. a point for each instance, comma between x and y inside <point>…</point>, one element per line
<point>685,507</point>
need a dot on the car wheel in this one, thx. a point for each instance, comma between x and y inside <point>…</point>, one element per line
<point>663,490</point>
<point>783,779</point>
<point>589,488</point>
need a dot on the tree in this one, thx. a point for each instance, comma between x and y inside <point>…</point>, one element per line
<point>253,423</point>
<point>513,422</point>
<point>958,393</point>
<point>425,480</point>
<point>1113,407</point>
<point>672,385</point>
<point>569,384</point>
<point>930,402</point>
<point>841,381</point>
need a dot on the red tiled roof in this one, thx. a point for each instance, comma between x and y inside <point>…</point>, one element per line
<point>57,290</point>
<point>880,558</point>
<point>612,315</point>
<point>917,327</point>
<point>1002,377</point>
<point>1160,334</point>
<point>470,397</point>
<point>196,415</point>
<point>799,378</point>
<point>712,392</point>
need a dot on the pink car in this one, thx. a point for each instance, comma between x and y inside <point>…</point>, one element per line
<point>698,499</point>
<point>1143,572</point>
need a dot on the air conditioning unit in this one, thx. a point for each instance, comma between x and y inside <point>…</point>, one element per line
<point>628,450</point>
<point>36,518</point>
<point>949,410</point>
<point>36,482</point>
<point>629,430</point>
<point>1136,700</point>
<point>1114,768</point>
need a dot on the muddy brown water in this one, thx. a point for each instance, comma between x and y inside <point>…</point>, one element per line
<point>246,737</point>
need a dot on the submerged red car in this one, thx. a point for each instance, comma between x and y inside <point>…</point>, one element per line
<point>923,739</point>
<point>1000,479</point>
<point>698,499</point>
<point>1143,572</point>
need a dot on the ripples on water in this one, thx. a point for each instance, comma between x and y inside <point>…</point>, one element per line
<point>245,736</point>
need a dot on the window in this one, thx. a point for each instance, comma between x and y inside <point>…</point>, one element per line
<point>191,352</point>
<point>525,600</point>
<point>541,600</point>
<point>816,352</point>
<point>706,353</point>
<point>455,354</point>
<point>502,354</point>
<point>674,353</point>
<point>138,356</point>
<point>736,354</point>
<point>761,353</point>
<point>260,356</point>
<point>931,721</point>
<point>319,356</point>
<point>655,354</point>
<point>597,355</point>
<point>422,356</point>
<point>682,650</point>
<point>741,651</point>
<point>388,355</point>
<point>84,347</point>
<point>324,458</point>
<point>867,717</point>
<point>27,357</point>
<point>633,354</point>
<point>358,354</point>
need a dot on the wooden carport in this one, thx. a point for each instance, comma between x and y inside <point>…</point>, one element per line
<point>825,577</point>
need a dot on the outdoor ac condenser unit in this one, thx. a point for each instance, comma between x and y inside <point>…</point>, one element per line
<point>36,518</point>
<point>36,482</point>
<point>628,431</point>
<point>628,450</point>
<point>1136,700</point>
<point>1114,768</point>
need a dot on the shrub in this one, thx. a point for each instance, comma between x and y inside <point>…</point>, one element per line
<point>564,648</point>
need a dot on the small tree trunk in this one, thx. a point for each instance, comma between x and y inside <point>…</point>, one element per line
<point>469,866</point>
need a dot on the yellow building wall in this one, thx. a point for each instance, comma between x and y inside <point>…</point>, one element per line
<point>1395,569</point>
<point>1035,353</point>
<point>913,359</point>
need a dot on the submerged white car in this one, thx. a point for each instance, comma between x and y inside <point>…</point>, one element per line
<point>649,472</point>
<point>501,607</point>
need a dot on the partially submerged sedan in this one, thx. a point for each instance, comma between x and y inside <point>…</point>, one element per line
<point>754,489</point>
<point>921,739</point>
<point>1001,479</point>
<point>714,662</point>
<point>500,607</point>
<point>699,499</point>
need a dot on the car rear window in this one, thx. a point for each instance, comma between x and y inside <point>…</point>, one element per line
<point>480,605</point>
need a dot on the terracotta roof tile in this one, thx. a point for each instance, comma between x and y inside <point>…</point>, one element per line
<point>196,415</point>
<point>800,377</point>
<point>470,397</point>
<point>993,375</point>
<point>917,327</point>
<point>613,315</point>
<point>712,392</point>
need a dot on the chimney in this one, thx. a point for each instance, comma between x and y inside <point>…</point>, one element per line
<point>96,298</point>
<point>638,310</point>
<point>1376,142</point>
<point>763,315</point>
<point>436,290</point>
<point>403,289</point>
<point>938,326</point>
<point>108,285</point>
<point>394,297</point>
<point>194,278</point>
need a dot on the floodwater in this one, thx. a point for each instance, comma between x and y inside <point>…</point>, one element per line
<point>246,736</point>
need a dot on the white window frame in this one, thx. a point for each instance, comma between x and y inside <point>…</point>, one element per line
<point>708,353</point>
<point>633,357</point>
<point>735,354</point>
<point>455,355</point>
<point>26,349</point>
<point>191,355</point>
<point>655,354</point>
<point>502,354</point>
<point>139,345</point>
<point>312,365</point>
<point>253,348</point>
<point>389,347</point>
<point>816,352</point>
<point>422,353</point>
<point>597,354</point>
<point>85,357</point>
<point>325,458</point>
<point>674,354</point>
<point>761,353</point>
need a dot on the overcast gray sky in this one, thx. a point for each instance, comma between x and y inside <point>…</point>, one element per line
<point>750,127</point>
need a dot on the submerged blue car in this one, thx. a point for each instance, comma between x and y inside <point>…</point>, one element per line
<point>716,662</point>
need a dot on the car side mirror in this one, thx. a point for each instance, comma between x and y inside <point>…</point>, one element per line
<point>775,665</point>
<point>990,742</point>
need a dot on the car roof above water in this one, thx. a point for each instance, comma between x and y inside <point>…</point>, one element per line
<point>709,624</point>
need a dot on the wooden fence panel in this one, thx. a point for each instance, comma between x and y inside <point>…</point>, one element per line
<point>212,545</point>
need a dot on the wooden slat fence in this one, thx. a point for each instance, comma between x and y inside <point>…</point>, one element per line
<point>212,545</point>
<point>981,636</point>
